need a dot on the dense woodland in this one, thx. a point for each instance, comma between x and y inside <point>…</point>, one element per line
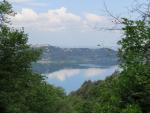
<point>24,91</point>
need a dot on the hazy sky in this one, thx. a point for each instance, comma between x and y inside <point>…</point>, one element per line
<point>69,23</point>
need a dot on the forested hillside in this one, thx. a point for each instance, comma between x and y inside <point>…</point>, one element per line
<point>24,91</point>
<point>55,58</point>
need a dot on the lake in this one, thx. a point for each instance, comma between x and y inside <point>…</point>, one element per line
<point>72,79</point>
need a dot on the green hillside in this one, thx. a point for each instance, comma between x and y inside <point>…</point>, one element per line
<point>55,58</point>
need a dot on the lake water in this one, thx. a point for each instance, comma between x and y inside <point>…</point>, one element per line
<point>72,79</point>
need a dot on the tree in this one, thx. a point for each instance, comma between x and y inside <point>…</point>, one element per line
<point>127,91</point>
<point>135,61</point>
<point>21,89</point>
<point>16,57</point>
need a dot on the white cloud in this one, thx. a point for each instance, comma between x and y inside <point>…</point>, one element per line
<point>94,18</point>
<point>32,3</point>
<point>97,22</point>
<point>19,1</point>
<point>55,19</point>
<point>26,15</point>
<point>62,75</point>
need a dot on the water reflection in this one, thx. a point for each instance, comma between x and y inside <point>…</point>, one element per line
<point>72,79</point>
<point>64,74</point>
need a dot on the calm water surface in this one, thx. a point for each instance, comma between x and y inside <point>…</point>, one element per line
<point>72,79</point>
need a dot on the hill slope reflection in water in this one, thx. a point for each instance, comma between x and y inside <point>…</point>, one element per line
<point>72,79</point>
